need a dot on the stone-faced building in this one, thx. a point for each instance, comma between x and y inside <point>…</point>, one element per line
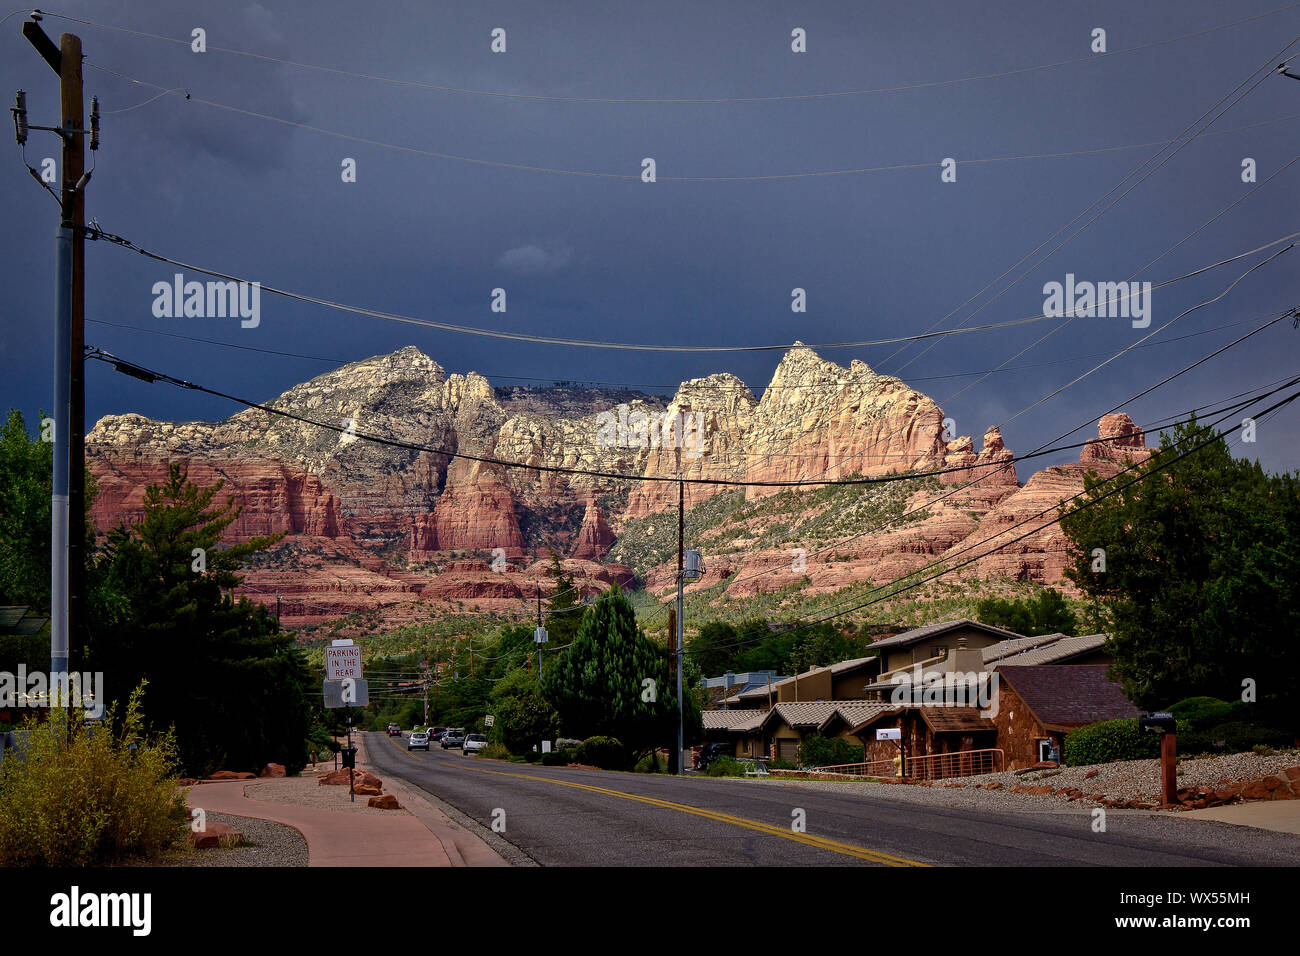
<point>1038,705</point>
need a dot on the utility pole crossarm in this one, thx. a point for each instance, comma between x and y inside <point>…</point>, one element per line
<point>44,45</point>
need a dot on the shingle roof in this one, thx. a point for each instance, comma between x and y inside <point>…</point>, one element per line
<point>803,713</point>
<point>855,713</point>
<point>1060,649</point>
<point>1065,696</point>
<point>945,720</point>
<point>756,720</point>
<point>931,630</point>
<point>726,719</point>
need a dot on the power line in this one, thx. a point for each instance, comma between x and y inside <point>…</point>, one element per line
<point>151,375</point>
<point>633,176</point>
<point>1041,449</point>
<point>352,74</point>
<point>1263,71</point>
<point>1161,466</point>
<point>95,233</point>
<point>630,386</point>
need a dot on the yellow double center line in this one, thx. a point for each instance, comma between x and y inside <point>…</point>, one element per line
<point>808,839</point>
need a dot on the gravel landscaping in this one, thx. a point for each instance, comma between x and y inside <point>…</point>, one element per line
<point>1125,780</point>
<point>304,791</point>
<point>267,844</point>
<point>1140,779</point>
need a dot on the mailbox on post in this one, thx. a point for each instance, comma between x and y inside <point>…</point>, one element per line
<point>349,757</point>
<point>1165,725</point>
<point>1160,723</point>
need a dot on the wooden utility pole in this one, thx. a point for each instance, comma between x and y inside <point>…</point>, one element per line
<point>68,517</point>
<point>675,622</point>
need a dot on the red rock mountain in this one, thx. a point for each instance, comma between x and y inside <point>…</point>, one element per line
<point>374,526</point>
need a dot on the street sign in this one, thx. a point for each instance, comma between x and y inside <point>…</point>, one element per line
<point>346,693</point>
<point>343,662</point>
<point>889,733</point>
<point>489,720</point>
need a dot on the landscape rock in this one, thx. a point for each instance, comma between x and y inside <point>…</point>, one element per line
<point>214,834</point>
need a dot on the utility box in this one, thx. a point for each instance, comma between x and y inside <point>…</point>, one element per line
<point>691,564</point>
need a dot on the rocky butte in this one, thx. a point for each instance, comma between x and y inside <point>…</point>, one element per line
<point>403,532</point>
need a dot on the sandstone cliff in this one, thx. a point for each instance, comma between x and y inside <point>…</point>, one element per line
<point>402,520</point>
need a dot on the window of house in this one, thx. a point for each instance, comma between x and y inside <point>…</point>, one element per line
<point>938,650</point>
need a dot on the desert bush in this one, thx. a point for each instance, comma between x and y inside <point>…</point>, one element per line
<point>495,752</point>
<point>82,797</point>
<point>726,767</point>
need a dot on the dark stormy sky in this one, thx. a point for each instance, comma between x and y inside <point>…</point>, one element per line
<point>880,253</point>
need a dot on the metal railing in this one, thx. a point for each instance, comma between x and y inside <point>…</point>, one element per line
<point>960,763</point>
<point>872,768</point>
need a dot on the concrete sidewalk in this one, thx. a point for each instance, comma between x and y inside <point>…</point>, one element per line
<point>417,835</point>
<point>1280,815</point>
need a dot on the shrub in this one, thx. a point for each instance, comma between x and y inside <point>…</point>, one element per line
<point>818,751</point>
<point>1108,741</point>
<point>77,797</point>
<point>532,756</point>
<point>726,767</point>
<point>607,753</point>
<point>779,764</point>
<point>1200,713</point>
<point>495,752</point>
<point>651,763</point>
<point>556,758</point>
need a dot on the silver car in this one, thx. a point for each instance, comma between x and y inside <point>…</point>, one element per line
<point>474,743</point>
<point>417,741</point>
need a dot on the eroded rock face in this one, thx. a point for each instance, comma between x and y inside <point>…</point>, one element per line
<point>477,511</point>
<point>376,527</point>
<point>594,537</point>
<point>274,497</point>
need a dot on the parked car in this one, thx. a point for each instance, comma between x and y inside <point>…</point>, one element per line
<point>474,743</point>
<point>417,741</point>
<point>394,730</point>
<point>711,752</point>
<point>454,737</point>
<point>437,733</point>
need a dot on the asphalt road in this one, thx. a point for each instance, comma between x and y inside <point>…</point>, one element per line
<point>561,816</point>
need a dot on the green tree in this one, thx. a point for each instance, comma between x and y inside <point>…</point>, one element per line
<point>523,715</point>
<point>1046,613</point>
<point>235,689</point>
<point>598,684</point>
<point>822,645</point>
<point>563,607</point>
<point>1198,588</point>
<point>715,648</point>
<point>765,650</point>
<point>26,470</point>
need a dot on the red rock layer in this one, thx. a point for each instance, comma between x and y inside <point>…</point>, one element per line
<point>594,537</point>
<point>274,497</point>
